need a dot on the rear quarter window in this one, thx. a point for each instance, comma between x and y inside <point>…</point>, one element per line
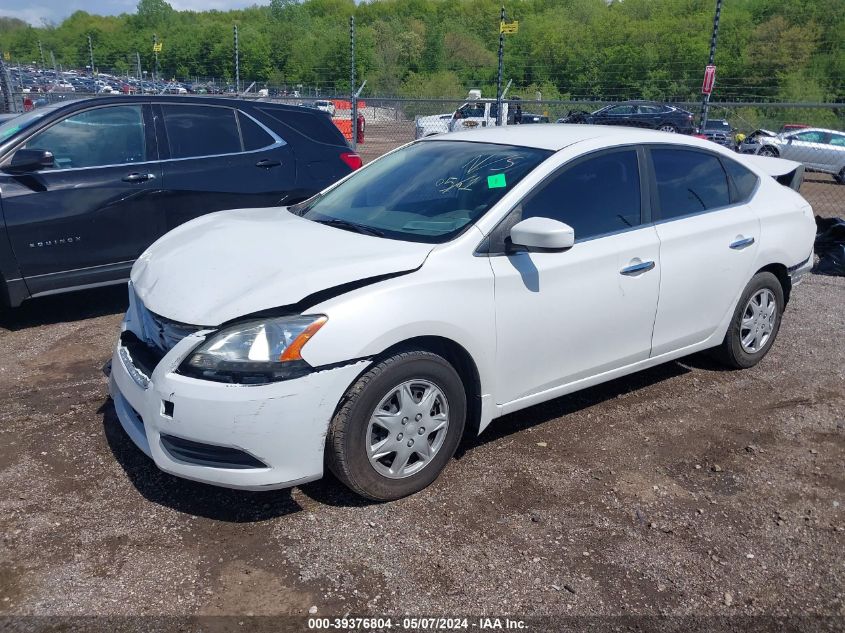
<point>315,125</point>
<point>744,180</point>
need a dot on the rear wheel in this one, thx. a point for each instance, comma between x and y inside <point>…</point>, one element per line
<point>840,177</point>
<point>397,426</point>
<point>755,323</point>
<point>668,128</point>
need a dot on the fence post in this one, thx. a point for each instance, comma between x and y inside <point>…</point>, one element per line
<point>10,104</point>
<point>353,93</point>
<point>705,100</point>
<point>499,75</point>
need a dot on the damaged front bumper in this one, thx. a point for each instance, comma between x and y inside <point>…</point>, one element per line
<point>249,437</point>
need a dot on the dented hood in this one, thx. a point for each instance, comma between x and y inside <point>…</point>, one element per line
<point>229,264</point>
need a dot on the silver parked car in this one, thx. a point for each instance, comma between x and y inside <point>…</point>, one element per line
<point>819,149</point>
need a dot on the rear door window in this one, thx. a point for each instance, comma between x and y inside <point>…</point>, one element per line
<point>689,182</point>
<point>194,131</point>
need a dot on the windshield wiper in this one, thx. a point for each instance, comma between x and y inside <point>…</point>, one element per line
<point>351,226</point>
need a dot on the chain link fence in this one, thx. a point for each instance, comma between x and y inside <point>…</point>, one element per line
<point>812,134</point>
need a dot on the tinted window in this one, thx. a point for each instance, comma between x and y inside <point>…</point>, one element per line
<point>200,130</point>
<point>595,196</point>
<point>649,109</point>
<point>315,125</point>
<point>810,137</point>
<point>689,182</point>
<point>837,139</point>
<point>426,192</point>
<point>99,137</point>
<point>744,179</point>
<point>621,109</point>
<point>253,135</point>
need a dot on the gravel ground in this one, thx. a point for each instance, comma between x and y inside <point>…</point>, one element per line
<point>683,490</point>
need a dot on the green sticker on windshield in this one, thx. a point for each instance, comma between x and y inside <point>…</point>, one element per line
<point>496,181</point>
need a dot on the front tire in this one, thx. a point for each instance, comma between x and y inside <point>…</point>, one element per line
<point>398,426</point>
<point>768,150</point>
<point>755,323</point>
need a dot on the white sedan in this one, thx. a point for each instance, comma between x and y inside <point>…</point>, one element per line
<point>448,283</point>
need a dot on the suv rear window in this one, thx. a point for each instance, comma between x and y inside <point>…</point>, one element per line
<point>315,124</point>
<point>253,135</point>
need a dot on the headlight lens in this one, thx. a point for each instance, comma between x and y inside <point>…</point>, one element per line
<point>255,352</point>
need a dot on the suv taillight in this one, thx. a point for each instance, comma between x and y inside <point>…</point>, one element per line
<point>352,159</point>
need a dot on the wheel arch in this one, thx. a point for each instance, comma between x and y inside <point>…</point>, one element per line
<point>780,271</point>
<point>460,359</point>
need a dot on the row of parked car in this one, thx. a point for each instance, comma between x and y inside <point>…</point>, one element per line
<point>819,149</point>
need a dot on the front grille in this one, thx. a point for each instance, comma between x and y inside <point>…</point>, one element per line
<point>160,332</point>
<point>208,454</point>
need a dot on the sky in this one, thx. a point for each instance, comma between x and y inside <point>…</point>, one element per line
<point>37,11</point>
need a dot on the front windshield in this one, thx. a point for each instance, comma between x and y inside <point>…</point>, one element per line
<point>427,192</point>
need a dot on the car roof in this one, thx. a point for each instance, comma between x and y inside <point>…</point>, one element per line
<point>192,99</point>
<point>815,129</point>
<point>556,136</point>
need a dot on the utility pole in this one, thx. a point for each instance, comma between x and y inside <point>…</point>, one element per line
<point>354,96</point>
<point>41,51</point>
<point>499,75</point>
<point>705,100</point>
<point>91,54</point>
<point>237,63</point>
<point>53,59</point>
<point>155,52</point>
<point>138,62</point>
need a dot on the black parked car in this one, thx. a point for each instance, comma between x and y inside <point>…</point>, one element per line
<point>86,186</point>
<point>647,114</point>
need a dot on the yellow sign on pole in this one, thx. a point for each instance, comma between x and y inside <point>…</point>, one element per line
<point>7,56</point>
<point>509,28</point>
<point>157,47</point>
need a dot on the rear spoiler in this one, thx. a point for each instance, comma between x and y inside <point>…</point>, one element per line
<point>786,172</point>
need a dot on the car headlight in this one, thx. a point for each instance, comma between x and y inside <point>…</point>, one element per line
<point>255,352</point>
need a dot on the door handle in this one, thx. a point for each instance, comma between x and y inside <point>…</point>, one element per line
<point>742,243</point>
<point>136,177</point>
<point>268,162</point>
<point>636,269</point>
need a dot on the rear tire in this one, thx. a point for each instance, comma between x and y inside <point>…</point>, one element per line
<point>840,177</point>
<point>668,128</point>
<point>755,323</point>
<point>398,426</point>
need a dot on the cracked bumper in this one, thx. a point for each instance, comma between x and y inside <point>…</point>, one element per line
<point>283,425</point>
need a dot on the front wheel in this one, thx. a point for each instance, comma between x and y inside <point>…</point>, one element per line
<point>398,426</point>
<point>755,323</point>
<point>769,151</point>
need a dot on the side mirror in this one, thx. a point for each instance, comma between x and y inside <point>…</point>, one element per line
<point>542,234</point>
<point>27,160</point>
